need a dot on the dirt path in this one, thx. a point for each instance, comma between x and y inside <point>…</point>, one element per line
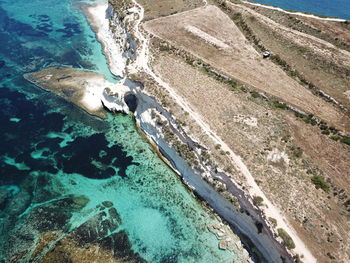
<point>142,64</point>
<point>319,45</point>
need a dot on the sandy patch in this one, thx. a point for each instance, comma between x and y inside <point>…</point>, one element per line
<point>250,121</point>
<point>207,38</point>
<point>347,94</point>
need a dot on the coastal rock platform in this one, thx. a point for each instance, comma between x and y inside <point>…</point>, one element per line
<point>88,90</point>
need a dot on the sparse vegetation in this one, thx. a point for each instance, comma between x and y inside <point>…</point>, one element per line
<point>132,77</point>
<point>320,182</point>
<point>325,132</point>
<point>254,94</point>
<point>163,47</point>
<point>296,151</point>
<point>330,256</point>
<point>288,241</point>
<point>297,259</point>
<point>258,200</point>
<point>345,140</point>
<point>335,138</point>
<point>309,119</point>
<point>229,169</point>
<point>273,222</point>
<point>279,105</point>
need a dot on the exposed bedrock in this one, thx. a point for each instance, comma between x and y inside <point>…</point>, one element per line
<point>248,223</point>
<point>118,44</point>
<point>92,89</point>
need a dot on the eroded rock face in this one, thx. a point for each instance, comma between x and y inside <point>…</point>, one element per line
<point>131,101</point>
<point>114,101</point>
<point>88,90</point>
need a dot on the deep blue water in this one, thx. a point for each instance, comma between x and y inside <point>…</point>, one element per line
<point>333,8</point>
<point>61,169</point>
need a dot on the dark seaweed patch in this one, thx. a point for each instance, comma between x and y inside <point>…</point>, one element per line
<point>20,138</point>
<point>50,218</point>
<point>44,27</point>
<point>85,150</point>
<point>69,30</point>
<point>21,29</point>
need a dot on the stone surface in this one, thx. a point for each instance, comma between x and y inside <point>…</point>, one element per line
<point>223,244</point>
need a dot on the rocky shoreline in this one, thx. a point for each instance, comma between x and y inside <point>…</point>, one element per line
<point>118,45</point>
<point>248,223</point>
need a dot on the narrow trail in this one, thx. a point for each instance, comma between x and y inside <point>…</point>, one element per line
<point>270,210</point>
<point>344,54</point>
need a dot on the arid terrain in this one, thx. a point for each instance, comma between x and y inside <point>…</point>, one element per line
<point>228,51</point>
<point>158,8</point>
<point>286,116</point>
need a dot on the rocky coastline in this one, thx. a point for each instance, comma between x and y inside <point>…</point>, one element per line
<point>119,46</point>
<point>246,220</point>
<point>128,96</point>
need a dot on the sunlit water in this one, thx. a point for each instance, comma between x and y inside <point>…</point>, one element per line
<point>51,151</point>
<point>333,8</point>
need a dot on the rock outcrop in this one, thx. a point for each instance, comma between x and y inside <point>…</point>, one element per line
<point>111,31</point>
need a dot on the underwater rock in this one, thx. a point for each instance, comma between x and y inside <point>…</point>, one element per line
<point>56,215</point>
<point>113,249</point>
<point>49,221</point>
<point>69,30</point>
<point>3,198</point>
<point>80,201</point>
<point>7,192</point>
<point>223,244</point>
<point>47,218</point>
<point>121,247</point>
<point>114,217</point>
<point>18,203</point>
<point>107,203</point>
<point>97,227</point>
<point>44,239</point>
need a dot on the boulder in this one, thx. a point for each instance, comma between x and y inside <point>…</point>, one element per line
<point>223,244</point>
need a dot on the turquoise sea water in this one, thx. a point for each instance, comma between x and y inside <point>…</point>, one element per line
<point>64,170</point>
<point>333,8</point>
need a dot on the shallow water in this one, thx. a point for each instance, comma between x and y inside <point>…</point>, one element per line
<point>60,165</point>
<point>333,8</point>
